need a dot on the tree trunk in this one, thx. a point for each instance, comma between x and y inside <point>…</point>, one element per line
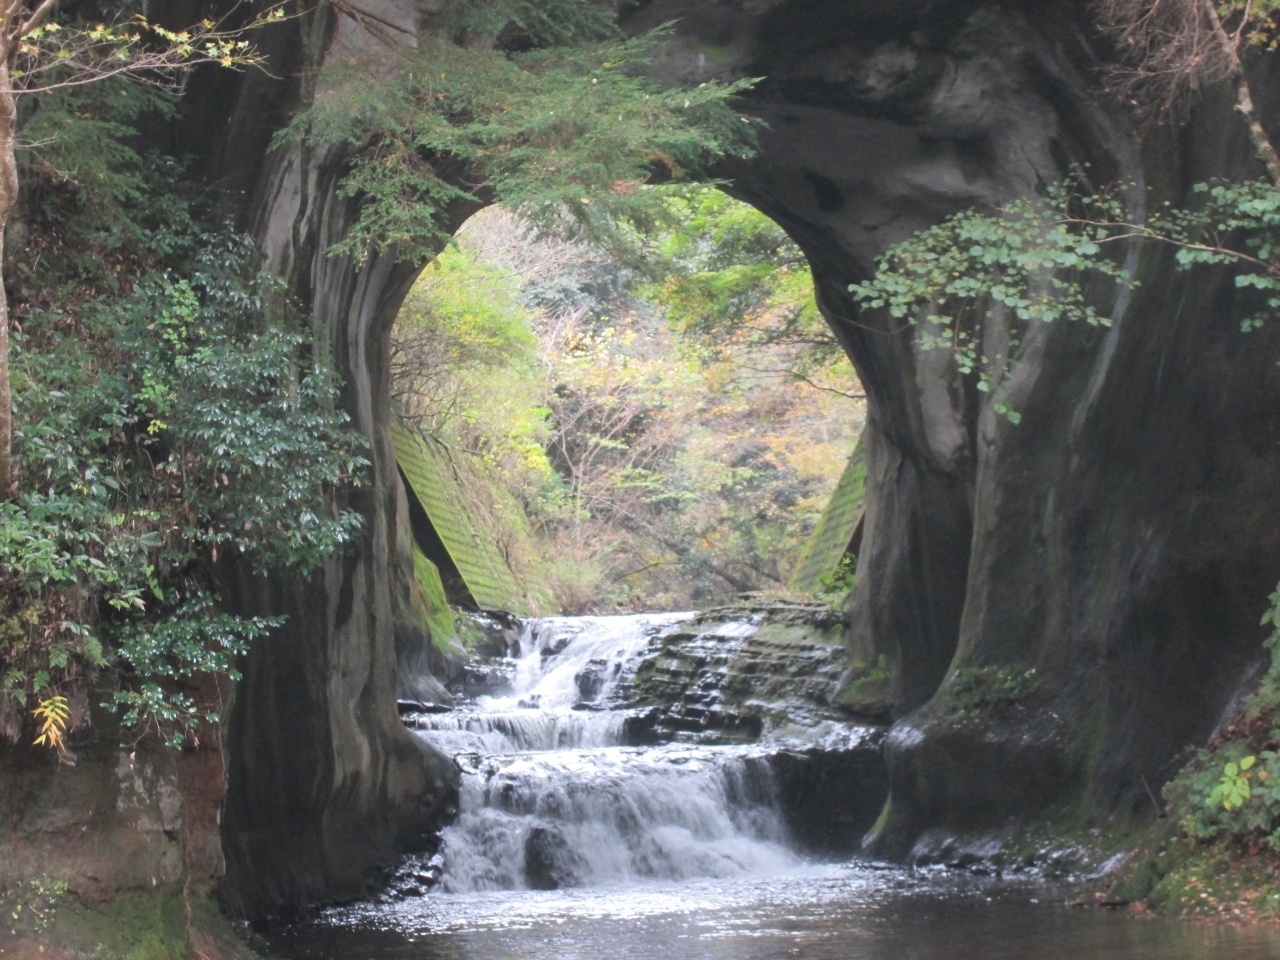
<point>1244,96</point>
<point>8,194</point>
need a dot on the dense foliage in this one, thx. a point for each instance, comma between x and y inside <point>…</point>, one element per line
<point>566,134</point>
<point>730,280</point>
<point>163,418</point>
<point>669,450</point>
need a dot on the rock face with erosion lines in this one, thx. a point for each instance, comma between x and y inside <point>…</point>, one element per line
<point>1109,556</point>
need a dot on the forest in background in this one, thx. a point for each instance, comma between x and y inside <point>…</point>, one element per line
<point>671,420</point>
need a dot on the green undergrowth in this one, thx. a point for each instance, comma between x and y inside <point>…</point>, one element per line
<point>1213,881</point>
<point>159,925</point>
<point>31,905</point>
<point>1216,852</point>
<point>1191,864</point>
<point>171,413</point>
<point>979,689</point>
<point>1179,876</point>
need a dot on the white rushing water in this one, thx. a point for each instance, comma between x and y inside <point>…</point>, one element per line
<point>550,798</point>
<point>678,850</point>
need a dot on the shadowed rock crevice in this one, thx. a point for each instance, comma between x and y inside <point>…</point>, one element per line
<point>1117,542</point>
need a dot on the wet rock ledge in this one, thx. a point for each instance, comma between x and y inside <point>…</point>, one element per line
<point>769,674</point>
<point>734,673</point>
<point>749,674</point>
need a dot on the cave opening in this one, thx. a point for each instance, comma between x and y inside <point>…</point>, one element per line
<point>1047,613</point>
<point>667,423</point>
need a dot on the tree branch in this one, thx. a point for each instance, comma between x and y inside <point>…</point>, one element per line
<point>1244,96</point>
<point>38,17</point>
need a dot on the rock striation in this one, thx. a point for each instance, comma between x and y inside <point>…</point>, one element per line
<point>1119,541</point>
<point>731,673</point>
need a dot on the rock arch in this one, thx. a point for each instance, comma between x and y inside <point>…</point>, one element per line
<point>1119,542</point>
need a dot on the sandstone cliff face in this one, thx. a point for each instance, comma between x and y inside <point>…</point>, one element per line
<point>324,784</point>
<point>120,819</point>
<point>1118,541</point>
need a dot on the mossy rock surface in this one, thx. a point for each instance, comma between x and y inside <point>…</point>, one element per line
<point>473,518</point>
<point>140,925</point>
<point>438,616</point>
<point>1213,882</point>
<point>834,532</point>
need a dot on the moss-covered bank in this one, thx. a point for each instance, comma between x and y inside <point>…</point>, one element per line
<point>1180,877</point>
<point>164,924</point>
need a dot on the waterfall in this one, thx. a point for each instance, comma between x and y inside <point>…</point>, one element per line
<point>552,797</point>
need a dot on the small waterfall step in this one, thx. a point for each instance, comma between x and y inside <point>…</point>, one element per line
<point>663,746</point>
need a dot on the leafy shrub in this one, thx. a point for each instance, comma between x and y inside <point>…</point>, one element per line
<point>158,428</point>
<point>31,905</point>
<point>976,689</point>
<point>565,133</point>
<point>834,587</point>
<point>1229,794</point>
<point>1231,791</point>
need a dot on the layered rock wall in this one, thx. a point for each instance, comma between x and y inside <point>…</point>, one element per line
<point>1118,542</point>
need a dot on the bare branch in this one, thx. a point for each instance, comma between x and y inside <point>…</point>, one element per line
<point>1171,49</point>
<point>39,16</point>
<point>364,18</point>
<point>1168,50</point>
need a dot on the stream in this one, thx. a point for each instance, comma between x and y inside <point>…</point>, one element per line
<point>582,832</point>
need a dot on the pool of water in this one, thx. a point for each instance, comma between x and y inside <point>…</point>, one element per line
<point>571,845</point>
<point>827,912</point>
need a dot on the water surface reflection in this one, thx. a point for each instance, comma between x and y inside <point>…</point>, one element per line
<point>817,913</point>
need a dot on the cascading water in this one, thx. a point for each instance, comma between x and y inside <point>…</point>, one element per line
<point>603,816</point>
<point>553,797</point>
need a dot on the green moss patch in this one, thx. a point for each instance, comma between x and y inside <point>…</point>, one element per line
<point>1210,881</point>
<point>160,925</point>
<point>833,536</point>
<point>438,616</point>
